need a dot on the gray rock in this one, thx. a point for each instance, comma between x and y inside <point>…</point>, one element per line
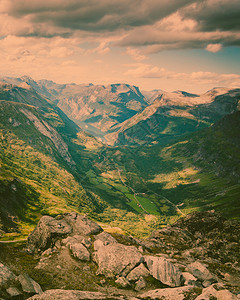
<point>46,233</point>
<point>80,252</point>
<point>81,224</point>
<point>189,279</point>
<point>59,294</point>
<point>212,291</point>
<point>140,284</point>
<point>164,271</point>
<point>106,238</point>
<point>200,271</point>
<point>13,291</point>
<point>122,282</point>
<point>78,249</point>
<point>168,294</point>
<point>29,285</point>
<point>136,273</point>
<point>6,276</point>
<point>116,259</point>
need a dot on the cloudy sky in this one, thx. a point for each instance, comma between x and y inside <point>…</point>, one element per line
<point>164,44</point>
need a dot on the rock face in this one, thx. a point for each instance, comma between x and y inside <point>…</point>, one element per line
<point>136,273</point>
<point>116,259</point>
<point>201,272</point>
<point>164,271</point>
<point>78,245</point>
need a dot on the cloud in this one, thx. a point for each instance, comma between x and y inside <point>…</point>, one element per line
<point>212,15</point>
<point>141,70</point>
<point>93,15</point>
<point>214,48</point>
<point>135,54</point>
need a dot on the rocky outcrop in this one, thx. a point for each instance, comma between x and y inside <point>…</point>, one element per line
<point>116,259</point>
<point>49,230</point>
<point>122,264</point>
<point>164,271</point>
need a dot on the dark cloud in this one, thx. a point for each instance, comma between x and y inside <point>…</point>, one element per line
<point>212,15</point>
<point>95,15</point>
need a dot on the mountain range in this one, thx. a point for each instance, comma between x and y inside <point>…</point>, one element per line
<point>133,159</point>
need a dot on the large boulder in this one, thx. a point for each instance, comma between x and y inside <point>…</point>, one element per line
<point>116,259</point>
<point>136,273</point>
<point>200,271</point>
<point>106,238</point>
<point>164,271</point>
<point>46,233</point>
<point>178,293</point>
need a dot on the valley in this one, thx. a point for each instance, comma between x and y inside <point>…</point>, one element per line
<point>178,153</point>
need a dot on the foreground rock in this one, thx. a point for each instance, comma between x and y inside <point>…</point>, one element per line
<point>164,271</point>
<point>116,259</point>
<point>82,256</point>
<point>70,295</point>
<point>16,286</point>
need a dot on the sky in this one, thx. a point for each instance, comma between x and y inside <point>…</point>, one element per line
<point>191,45</point>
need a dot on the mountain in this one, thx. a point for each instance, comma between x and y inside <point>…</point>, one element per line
<point>95,108</point>
<point>174,114</point>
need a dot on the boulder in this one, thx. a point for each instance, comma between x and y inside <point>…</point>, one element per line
<point>116,259</point>
<point>213,292</point>
<point>189,279</point>
<point>122,282</point>
<point>59,294</point>
<point>29,285</point>
<point>140,284</point>
<point>81,224</point>
<point>164,271</point>
<point>201,272</point>
<point>75,244</point>
<point>46,233</point>
<point>80,252</point>
<point>168,294</point>
<point>106,238</point>
<point>136,273</point>
<point>13,292</point>
<point>6,276</point>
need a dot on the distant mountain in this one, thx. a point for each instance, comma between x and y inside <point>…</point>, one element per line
<point>174,114</point>
<point>95,108</point>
